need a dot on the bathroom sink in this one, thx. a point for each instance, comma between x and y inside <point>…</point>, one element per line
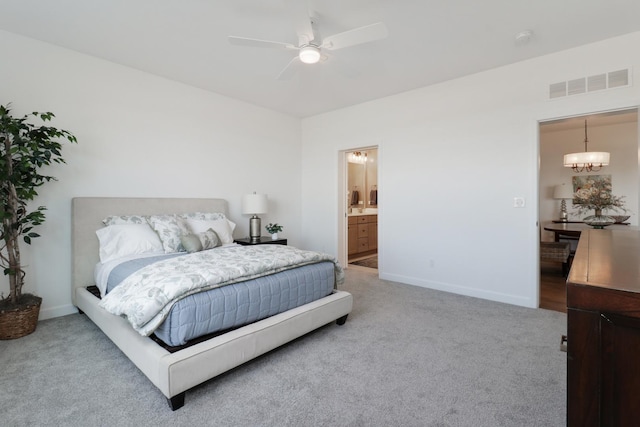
<point>371,210</point>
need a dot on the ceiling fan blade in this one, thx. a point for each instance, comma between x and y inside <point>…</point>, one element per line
<point>299,10</point>
<point>245,41</point>
<point>360,35</point>
<point>290,69</point>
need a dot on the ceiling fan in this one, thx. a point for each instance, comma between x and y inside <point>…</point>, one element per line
<point>309,48</point>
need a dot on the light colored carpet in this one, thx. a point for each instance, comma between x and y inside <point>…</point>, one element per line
<point>407,356</point>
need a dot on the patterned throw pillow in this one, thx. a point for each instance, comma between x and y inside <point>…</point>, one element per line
<point>124,220</point>
<point>169,228</point>
<point>203,216</point>
<point>209,239</point>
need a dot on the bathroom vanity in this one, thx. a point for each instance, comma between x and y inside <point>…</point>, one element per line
<point>363,235</point>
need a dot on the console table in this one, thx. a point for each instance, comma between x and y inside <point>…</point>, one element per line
<point>603,329</point>
<point>572,230</point>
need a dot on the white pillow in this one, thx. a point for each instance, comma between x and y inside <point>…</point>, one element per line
<point>117,241</point>
<point>223,228</point>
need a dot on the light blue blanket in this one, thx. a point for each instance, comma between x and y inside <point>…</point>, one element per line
<point>146,297</point>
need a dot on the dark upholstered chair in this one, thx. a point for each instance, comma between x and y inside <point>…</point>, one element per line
<point>556,252</point>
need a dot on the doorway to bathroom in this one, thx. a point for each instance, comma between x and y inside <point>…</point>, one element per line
<point>361,202</point>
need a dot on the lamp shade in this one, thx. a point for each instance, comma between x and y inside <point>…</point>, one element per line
<point>253,204</point>
<point>562,191</point>
<point>596,158</point>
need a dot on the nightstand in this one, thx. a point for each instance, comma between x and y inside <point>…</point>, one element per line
<point>264,240</point>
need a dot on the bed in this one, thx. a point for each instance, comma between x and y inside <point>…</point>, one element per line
<point>174,372</point>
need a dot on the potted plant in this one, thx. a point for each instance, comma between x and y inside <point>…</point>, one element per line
<point>273,229</point>
<point>24,149</point>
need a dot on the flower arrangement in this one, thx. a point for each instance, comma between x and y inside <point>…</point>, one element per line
<point>273,228</point>
<point>595,194</point>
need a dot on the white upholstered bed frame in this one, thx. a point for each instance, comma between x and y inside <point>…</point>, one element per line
<point>175,373</point>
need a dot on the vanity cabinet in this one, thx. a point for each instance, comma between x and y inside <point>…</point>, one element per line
<point>362,235</point>
<point>353,235</point>
<point>603,330</point>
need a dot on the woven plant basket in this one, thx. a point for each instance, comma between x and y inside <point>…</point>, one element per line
<point>20,321</point>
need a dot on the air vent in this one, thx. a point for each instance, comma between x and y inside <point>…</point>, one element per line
<point>598,82</point>
<point>619,78</point>
<point>557,90</point>
<point>610,80</point>
<point>574,87</point>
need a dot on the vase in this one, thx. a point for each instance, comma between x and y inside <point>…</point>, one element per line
<point>274,236</point>
<point>598,220</point>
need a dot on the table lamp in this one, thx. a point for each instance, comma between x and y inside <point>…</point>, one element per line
<point>254,204</point>
<point>563,192</point>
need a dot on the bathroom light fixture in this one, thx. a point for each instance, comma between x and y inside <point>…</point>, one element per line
<point>587,161</point>
<point>309,54</point>
<point>254,204</point>
<point>358,157</point>
<point>563,192</point>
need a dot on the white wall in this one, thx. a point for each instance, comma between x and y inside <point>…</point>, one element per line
<point>452,158</point>
<point>141,136</point>
<point>621,140</point>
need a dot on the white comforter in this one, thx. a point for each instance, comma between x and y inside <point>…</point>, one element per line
<point>146,297</point>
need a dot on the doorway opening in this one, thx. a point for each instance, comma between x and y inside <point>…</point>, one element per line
<point>360,195</point>
<point>615,132</point>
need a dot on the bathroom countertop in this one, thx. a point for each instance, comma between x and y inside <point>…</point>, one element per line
<point>363,213</point>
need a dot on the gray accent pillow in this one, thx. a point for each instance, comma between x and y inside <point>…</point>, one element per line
<point>198,242</point>
<point>191,243</point>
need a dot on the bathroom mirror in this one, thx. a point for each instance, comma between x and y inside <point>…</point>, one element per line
<point>363,179</point>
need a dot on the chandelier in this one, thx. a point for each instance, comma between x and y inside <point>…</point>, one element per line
<point>586,161</point>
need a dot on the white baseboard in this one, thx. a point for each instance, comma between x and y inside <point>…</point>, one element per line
<point>61,310</point>
<point>462,290</point>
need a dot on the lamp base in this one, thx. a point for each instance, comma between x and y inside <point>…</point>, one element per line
<point>564,217</point>
<point>255,224</point>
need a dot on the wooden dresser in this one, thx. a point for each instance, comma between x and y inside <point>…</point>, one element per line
<point>603,346</point>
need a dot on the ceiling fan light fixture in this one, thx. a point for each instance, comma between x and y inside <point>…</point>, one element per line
<point>309,54</point>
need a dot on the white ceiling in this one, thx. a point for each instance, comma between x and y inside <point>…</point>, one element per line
<point>429,41</point>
